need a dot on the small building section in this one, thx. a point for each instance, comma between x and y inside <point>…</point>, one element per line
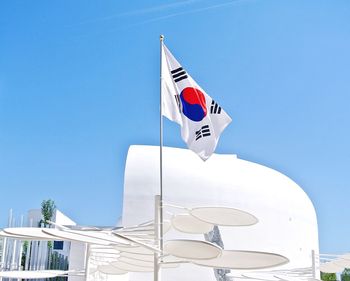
<point>41,255</point>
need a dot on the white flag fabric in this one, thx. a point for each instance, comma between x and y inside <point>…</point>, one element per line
<point>202,119</point>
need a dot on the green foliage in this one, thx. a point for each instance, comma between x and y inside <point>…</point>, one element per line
<point>48,208</point>
<point>25,246</point>
<point>345,276</point>
<point>328,276</point>
<point>24,253</point>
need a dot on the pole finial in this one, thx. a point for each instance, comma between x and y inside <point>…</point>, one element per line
<point>161,37</point>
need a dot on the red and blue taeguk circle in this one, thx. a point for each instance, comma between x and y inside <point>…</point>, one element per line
<point>193,104</point>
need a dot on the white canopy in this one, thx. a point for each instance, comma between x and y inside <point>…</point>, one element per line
<point>32,274</point>
<point>232,259</point>
<point>224,216</point>
<point>190,224</point>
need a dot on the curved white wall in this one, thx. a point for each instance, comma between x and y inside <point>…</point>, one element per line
<point>287,219</point>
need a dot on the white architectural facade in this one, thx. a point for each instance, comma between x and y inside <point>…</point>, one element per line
<point>287,219</point>
<point>282,226</point>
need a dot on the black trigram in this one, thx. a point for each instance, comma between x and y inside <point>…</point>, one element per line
<point>203,132</point>
<point>178,74</point>
<point>215,108</point>
<point>178,102</point>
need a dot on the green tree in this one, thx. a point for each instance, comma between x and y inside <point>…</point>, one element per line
<point>24,253</point>
<point>48,208</point>
<point>345,276</point>
<point>328,276</point>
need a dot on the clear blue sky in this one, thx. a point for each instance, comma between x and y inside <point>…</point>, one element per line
<point>79,83</point>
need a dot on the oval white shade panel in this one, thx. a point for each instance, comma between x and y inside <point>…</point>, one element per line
<point>143,229</point>
<point>109,269</point>
<point>28,274</point>
<point>260,276</point>
<point>141,257</point>
<point>74,237</point>
<point>121,246</point>
<point>167,260</point>
<point>137,265</point>
<point>149,228</point>
<point>345,256</point>
<point>92,270</point>
<point>131,268</point>
<point>232,259</point>
<point>30,232</point>
<point>100,261</point>
<point>190,224</point>
<point>136,262</point>
<point>342,262</point>
<point>224,216</point>
<point>104,256</point>
<point>330,267</point>
<point>166,226</point>
<point>104,250</point>
<point>192,249</point>
<point>134,250</point>
<point>287,278</point>
<point>19,237</point>
<point>141,236</point>
<point>101,235</point>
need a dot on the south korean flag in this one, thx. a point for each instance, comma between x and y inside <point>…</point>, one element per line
<point>202,119</point>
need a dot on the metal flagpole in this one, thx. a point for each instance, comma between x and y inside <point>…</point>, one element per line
<point>158,221</point>
<point>161,153</point>
<point>156,269</point>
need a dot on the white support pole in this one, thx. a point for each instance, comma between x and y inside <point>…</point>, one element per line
<point>14,248</point>
<point>20,248</point>
<point>27,255</point>
<point>9,244</point>
<point>3,254</point>
<point>87,259</point>
<point>30,248</point>
<point>313,263</point>
<point>40,254</point>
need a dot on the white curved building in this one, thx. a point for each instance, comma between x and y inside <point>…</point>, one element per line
<point>203,204</point>
<point>287,220</point>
